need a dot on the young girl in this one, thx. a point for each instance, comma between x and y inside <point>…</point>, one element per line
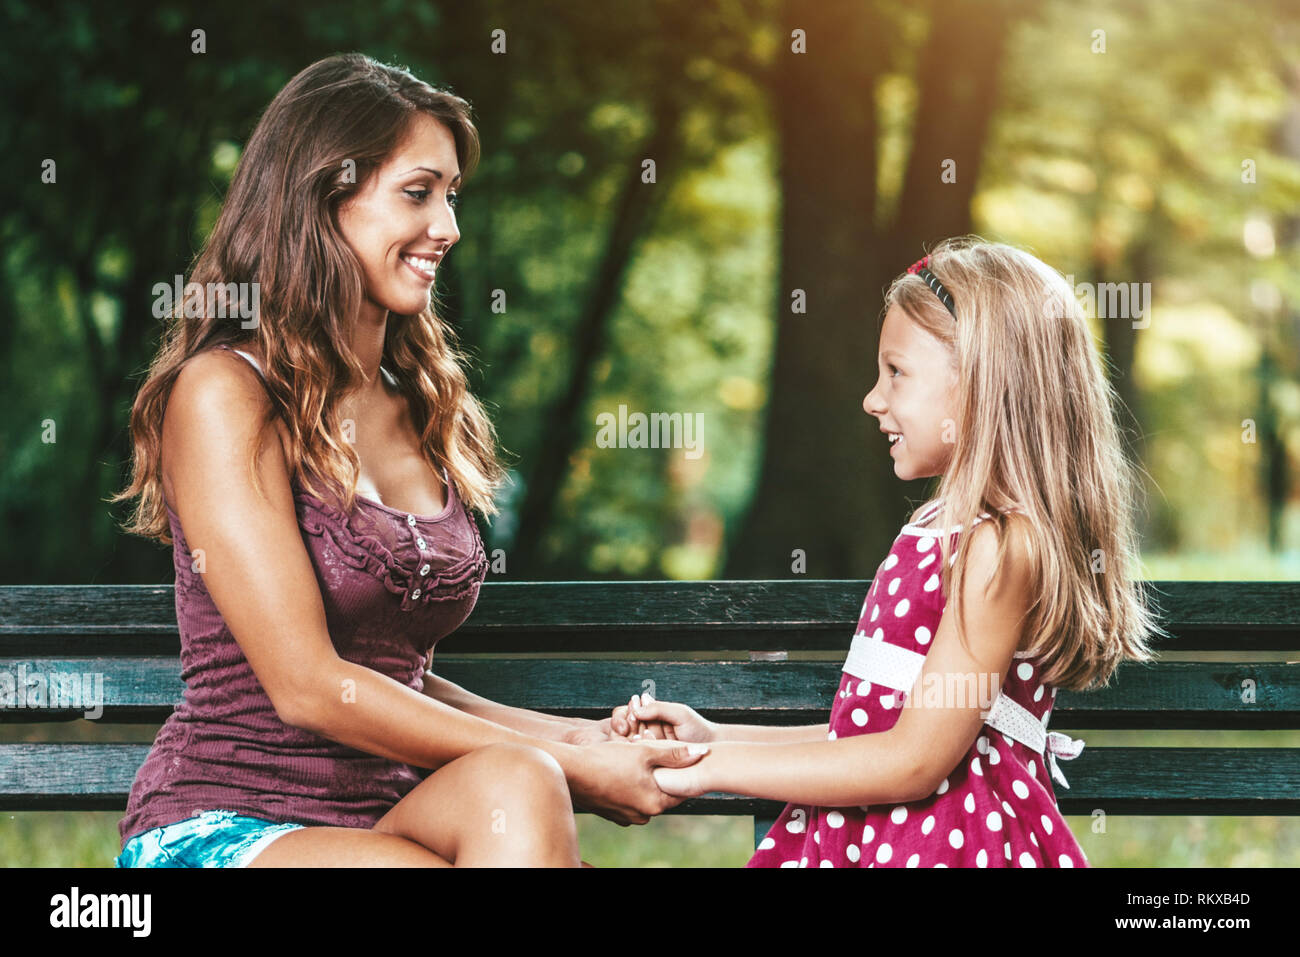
<point>314,470</point>
<point>937,752</point>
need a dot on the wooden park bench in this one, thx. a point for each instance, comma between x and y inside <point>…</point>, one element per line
<point>749,651</point>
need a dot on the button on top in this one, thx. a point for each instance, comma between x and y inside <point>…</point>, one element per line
<point>424,570</point>
<point>419,542</point>
<point>416,593</point>
<point>410,520</point>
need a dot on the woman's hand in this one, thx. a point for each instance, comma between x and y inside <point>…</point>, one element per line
<point>677,721</point>
<point>615,779</point>
<point>589,732</point>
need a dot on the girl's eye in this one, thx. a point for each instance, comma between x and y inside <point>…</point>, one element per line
<point>893,370</point>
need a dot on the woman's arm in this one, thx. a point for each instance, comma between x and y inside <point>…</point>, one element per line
<point>262,581</point>
<point>940,719</point>
<point>550,727</point>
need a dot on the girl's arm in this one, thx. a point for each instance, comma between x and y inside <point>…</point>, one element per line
<point>546,726</point>
<point>688,725</point>
<point>942,715</point>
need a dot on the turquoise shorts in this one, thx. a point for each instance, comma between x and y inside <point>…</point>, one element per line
<point>211,839</point>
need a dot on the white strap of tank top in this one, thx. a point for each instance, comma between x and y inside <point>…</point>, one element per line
<point>881,663</point>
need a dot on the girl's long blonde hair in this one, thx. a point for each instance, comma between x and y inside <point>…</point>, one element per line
<point>1036,430</point>
<point>320,139</point>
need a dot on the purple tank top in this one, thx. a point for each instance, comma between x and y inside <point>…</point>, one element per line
<point>392,584</point>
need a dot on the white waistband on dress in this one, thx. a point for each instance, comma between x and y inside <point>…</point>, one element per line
<point>879,662</point>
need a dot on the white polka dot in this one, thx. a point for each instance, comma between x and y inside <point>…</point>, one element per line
<point>884,853</point>
<point>927,560</point>
<point>853,853</point>
<point>994,821</point>
<point>825,863</point>
<point>1034,838</point>
<point>1047,823</point>
<point>789,863</point>
<point>835,820</point>
<point>1006,849</point>
<point>859,717</point>
<point>794,826</point>
<point>956,838</point>
<point>817,837</point>
<point>914,860</point>
<point>899,814</point>
<point>901,608</point>
<point>932,582</point>
<point>927,825</point>
<point>941,865</point>
<point>1033,768</point>
<point>923,635</point>
<point>1025,671</point>
<point>994,757</point>
<point>1066,860</point>
<point>1038,693</point>
<point>893,585</point>
<point>982,744</point>
<point>767,844</point>
<point>982,858</point>
<point>878,635</point>
<point>1021,789</point>
<point>868,834</point>
<point>890,562</point>
<point>1009,742</point>
<point>943,787</point>
<point>975,766</point>
<point>887,701</point>
<point>969,803</point>
<point>864,689</point>
<point>924,543</point>
<point>1007,807</point>
<point>803,862</point>
<point>1026,860</point>
<point>875,612</point>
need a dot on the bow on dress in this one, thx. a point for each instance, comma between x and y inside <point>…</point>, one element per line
<point>1065,748</point>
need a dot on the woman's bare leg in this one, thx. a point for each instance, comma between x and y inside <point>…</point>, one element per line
<point>499,806</point>
<point>504,805</point>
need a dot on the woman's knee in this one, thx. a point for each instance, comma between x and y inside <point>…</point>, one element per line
<point>522,773</point>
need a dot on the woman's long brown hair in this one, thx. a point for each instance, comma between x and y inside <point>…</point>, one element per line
<point>278,228</point>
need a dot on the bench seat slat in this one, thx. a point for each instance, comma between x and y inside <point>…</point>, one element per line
<point>1116,780</point>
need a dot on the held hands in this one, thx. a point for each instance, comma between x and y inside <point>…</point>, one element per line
<point>644,717</point>
<point>619,780</point>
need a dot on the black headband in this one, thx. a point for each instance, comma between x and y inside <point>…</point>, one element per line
<point>918,269</point>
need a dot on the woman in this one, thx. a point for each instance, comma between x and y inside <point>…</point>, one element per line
<point>309,598</point>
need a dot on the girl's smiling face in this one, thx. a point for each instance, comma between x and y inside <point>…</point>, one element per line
<point>915,396</point>
<point>402,221</point>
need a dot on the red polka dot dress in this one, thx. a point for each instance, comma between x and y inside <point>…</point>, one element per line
<point>997,807</point>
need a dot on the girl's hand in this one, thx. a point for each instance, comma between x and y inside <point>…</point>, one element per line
<point>679,721</point>
<point>622,724</point>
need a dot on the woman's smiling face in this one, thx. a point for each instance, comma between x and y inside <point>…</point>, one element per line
<point>402,221</point>
<point>914,396</point>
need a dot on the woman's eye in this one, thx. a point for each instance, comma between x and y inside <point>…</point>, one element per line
<point>453,199</point>
<point>419,195</point>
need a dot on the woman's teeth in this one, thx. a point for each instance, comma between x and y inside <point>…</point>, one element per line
<point>426,266</point>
